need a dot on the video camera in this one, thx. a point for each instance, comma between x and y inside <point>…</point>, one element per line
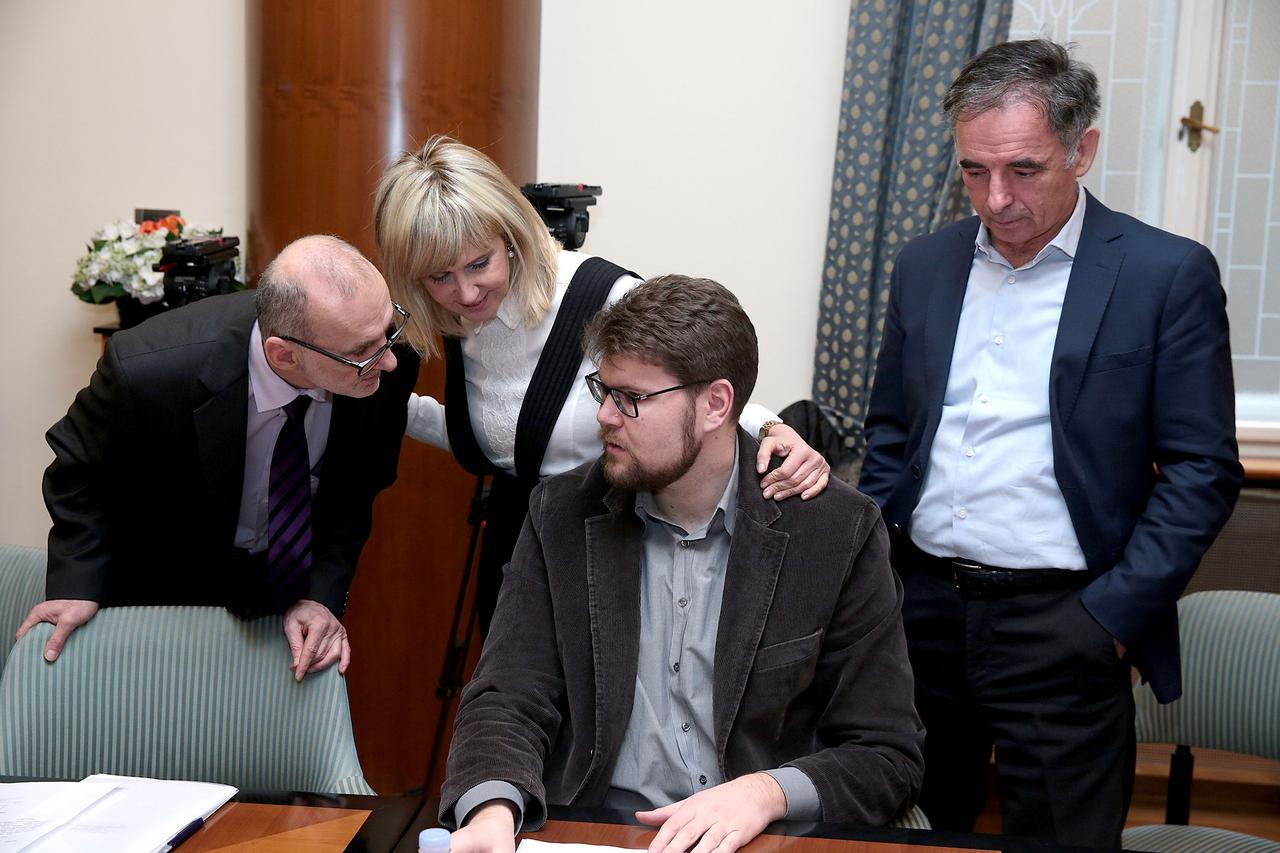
<point>564,208</point>
<point>194,269</point>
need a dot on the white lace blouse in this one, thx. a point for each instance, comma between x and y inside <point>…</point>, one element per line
<point>499,358</point>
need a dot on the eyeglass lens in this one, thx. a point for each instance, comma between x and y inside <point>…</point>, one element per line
<point>391,339</point>
<point>626,403</point>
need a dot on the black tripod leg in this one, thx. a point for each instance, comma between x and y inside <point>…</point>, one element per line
<point>460,635</point>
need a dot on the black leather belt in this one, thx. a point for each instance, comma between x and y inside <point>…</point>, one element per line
<point>982,581</point>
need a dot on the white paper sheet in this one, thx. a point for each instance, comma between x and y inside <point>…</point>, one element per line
<point>531,845</point>
<point>138,816</point>
<point>29,810</point>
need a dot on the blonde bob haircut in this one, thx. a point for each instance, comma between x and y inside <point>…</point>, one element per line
<point>434,203</point>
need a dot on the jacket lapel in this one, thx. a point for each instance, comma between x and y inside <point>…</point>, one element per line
<point>755,559</point>
<point>220,422</point>
<point>946,299</point>
<point>615,546</point>
<point>346,424</point>
<point>1093,279</point>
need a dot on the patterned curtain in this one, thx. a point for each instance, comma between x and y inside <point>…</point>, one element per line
<point>895,178</point>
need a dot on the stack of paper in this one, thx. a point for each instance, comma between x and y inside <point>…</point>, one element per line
<point>103,812</point>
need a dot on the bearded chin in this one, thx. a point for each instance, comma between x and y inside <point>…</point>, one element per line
<point>629,474</point>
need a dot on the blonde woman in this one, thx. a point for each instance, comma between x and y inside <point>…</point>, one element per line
<point>471,260</point>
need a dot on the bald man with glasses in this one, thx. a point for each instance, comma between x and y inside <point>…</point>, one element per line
<point>228,453</point>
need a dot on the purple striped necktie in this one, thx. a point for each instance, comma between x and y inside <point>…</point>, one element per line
<point>288,513</point>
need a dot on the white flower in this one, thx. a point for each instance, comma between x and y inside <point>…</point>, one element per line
<point>149,286</point>
<point>155,240</point>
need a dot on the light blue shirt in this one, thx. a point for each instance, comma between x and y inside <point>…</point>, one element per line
<point>989,493</point>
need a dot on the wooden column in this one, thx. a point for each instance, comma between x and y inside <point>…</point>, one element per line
<point>336,91</point>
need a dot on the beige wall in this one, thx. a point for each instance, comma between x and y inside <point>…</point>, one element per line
<point>713,139</point>
<point>106,107</point>
<point>712,128</point>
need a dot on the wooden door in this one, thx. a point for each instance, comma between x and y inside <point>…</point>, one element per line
<point>336,91</point>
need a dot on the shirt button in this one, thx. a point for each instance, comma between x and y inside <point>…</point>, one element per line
<point>1011,279</point>
<point>685,727</point>
<point>684,543</point>
<point>968,451</point>
<point>999,340</point>
<point>960,513</point>
<point>682,602</point>
<point>983,398</point>
<point>676,666</point>
<point>702,780</point>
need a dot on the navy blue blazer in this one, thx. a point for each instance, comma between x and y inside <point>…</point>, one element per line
<point>1141,404</point>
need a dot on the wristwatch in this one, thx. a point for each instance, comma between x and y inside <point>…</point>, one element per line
<point>765,427</point>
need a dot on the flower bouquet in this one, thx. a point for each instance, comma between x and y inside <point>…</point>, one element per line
<point>119,262</point>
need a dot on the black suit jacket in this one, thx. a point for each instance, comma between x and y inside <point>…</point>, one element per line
<point>811,663</point>
<point>1141,405</point>
<point>144,490</point>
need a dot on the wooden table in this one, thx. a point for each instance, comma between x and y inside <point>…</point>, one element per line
<point>256,822</point>
<point>619,829</point>
<point>640,836</point>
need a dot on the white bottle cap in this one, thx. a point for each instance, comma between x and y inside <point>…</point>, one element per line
<point>434,839</point>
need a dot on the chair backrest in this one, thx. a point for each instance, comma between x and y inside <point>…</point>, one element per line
<point>176,693</point>
<point>1230,677</point>
<point>21,588</point>
<point>914,819</point>
<point>1246,552</point>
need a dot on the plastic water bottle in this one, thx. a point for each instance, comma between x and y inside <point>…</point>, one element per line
<point>435,840</point>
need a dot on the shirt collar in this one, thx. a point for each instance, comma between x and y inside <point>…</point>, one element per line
<point>266,387</point>
<point>726,507</point>
<point>1067,240</point>
<point>509,312</point>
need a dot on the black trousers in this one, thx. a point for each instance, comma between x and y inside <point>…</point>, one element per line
<point>1035,676</point>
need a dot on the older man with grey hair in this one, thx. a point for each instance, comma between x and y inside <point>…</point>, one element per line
<point>1051,438</point>
<point>228,453</point>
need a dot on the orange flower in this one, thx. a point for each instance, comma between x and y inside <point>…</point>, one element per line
<point>146,226</point>
<point>173,223</point>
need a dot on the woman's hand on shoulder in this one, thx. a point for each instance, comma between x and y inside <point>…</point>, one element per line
<point>804,471</point>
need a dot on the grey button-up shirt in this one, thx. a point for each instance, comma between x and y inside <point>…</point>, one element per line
<point>669,750</point>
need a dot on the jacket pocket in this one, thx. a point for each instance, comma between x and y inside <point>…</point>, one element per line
<point>788,652</point>
<point>1117,360</point>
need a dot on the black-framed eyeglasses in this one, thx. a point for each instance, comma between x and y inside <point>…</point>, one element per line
<point>362,367</point>
<point>628,403</point>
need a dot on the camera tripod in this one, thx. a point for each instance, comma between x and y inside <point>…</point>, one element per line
<point>461,631</point>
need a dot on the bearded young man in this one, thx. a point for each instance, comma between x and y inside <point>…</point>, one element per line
<point>669,641</point>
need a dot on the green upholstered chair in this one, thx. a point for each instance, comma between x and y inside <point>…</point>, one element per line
<point>1167,838</point>
<point>1230,701</point>
<point>177,693</point>
<point>21,588</point>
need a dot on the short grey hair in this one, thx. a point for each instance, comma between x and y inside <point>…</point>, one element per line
<point>307,261</point>
<point>1035,71</point>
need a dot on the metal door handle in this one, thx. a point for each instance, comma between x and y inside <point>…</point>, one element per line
<point>1194,125</point>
